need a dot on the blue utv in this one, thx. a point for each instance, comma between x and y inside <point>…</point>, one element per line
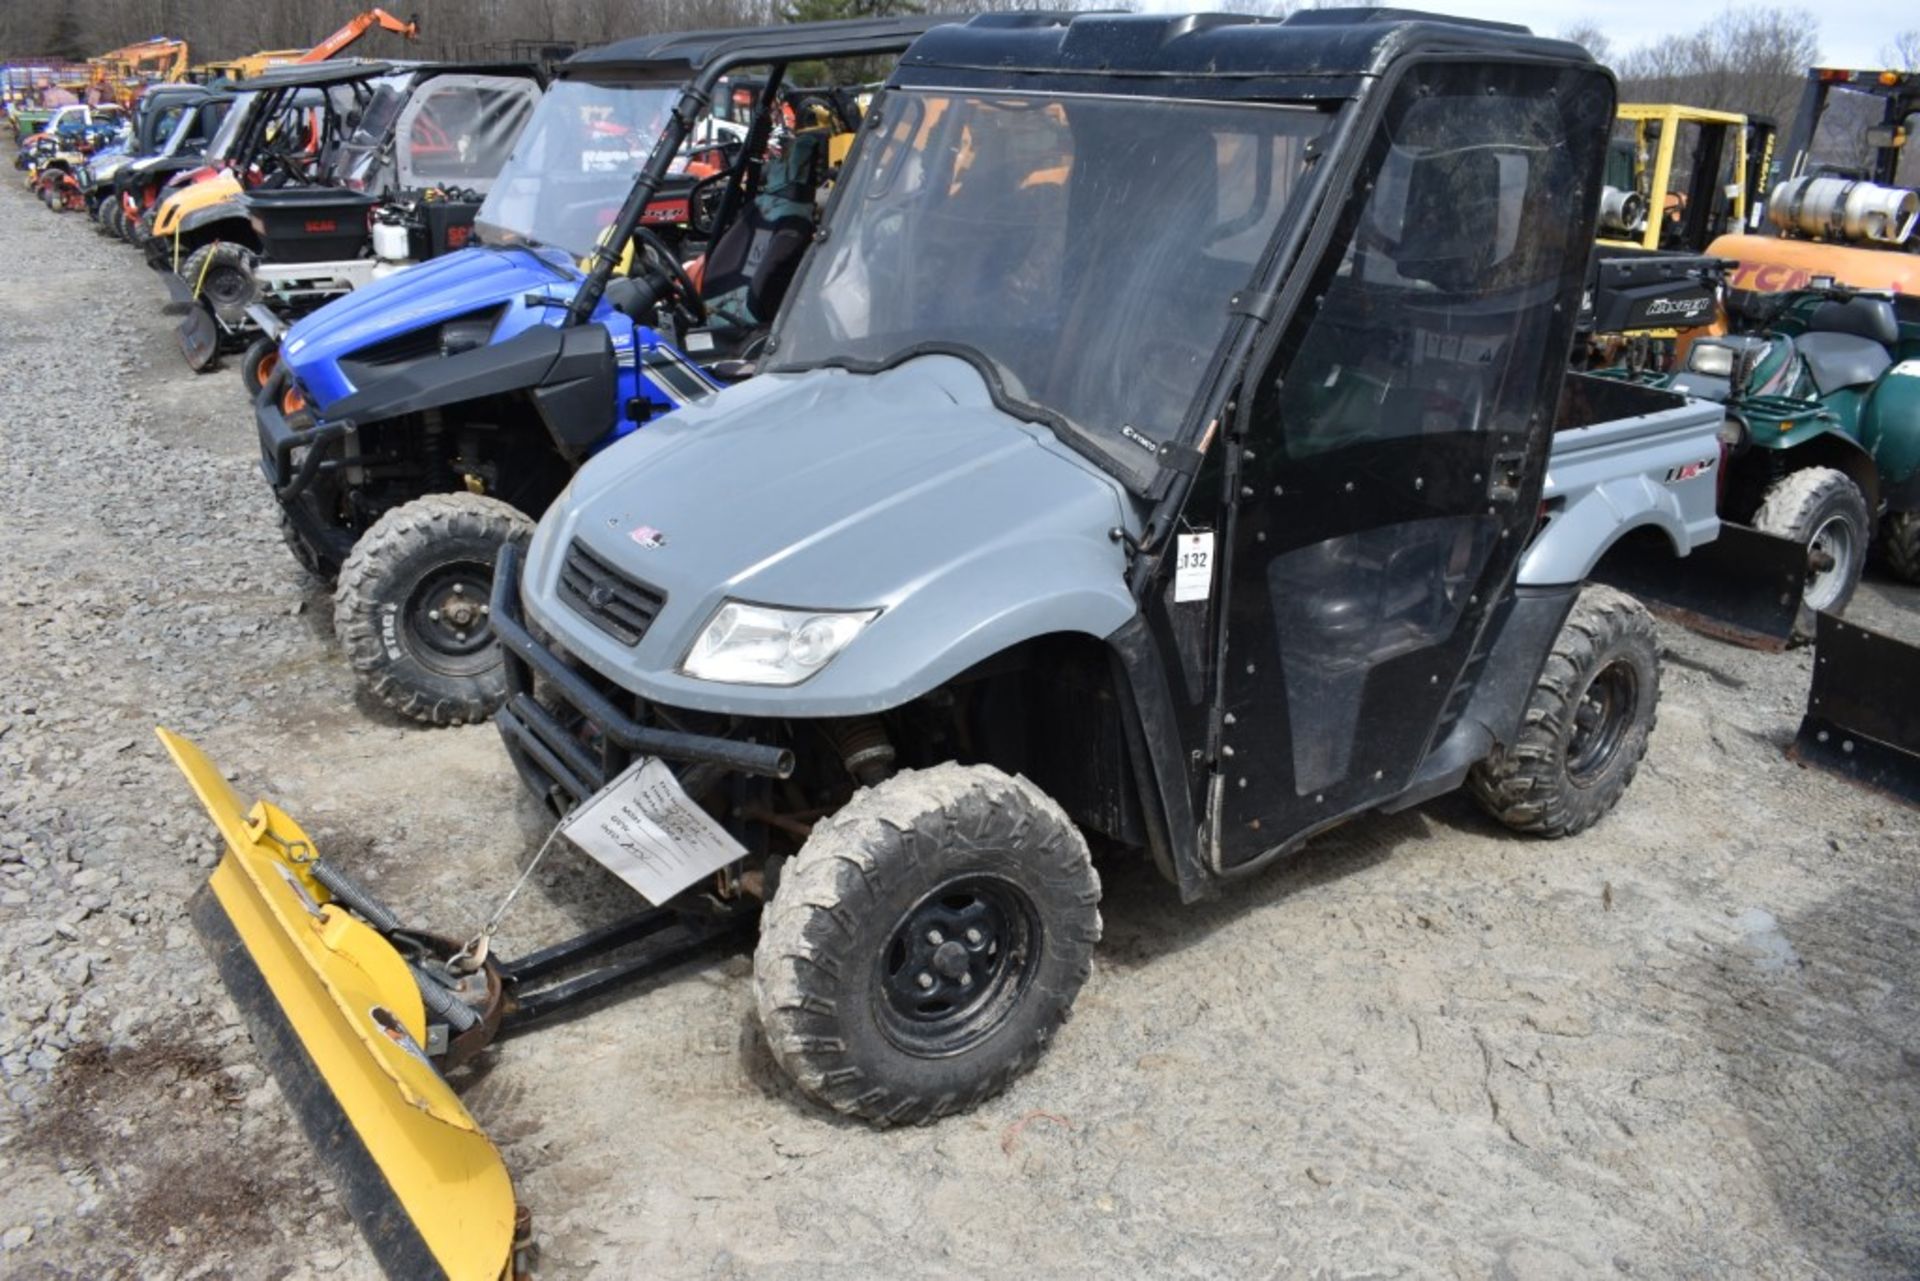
<point>414,427</point>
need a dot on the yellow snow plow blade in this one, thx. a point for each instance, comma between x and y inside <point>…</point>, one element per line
<point>339,1017</point>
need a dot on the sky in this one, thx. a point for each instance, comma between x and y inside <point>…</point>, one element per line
<point>1852,32</point>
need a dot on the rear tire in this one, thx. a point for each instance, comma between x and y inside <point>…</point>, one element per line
<point>926,943</point>
<point>222,274</point>
<point>1824,511</point>
<point>1901,539</point>
<point>411,606</point>
<point>1586,724</point>
<point>257,365</point>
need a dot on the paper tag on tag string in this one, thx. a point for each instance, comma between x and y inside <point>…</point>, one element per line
<point>645,830</point>
<point>1193,567</point>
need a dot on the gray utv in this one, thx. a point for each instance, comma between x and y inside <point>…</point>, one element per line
<point>1151,453</point>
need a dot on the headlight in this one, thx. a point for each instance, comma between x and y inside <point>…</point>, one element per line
<point>754,645</point>
<point>1712,359</point>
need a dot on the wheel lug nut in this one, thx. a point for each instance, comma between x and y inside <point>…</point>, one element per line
<point>434,614</point>
<point>935,937</point>
<point>966,980</point>
<point>925,981</point>
<point>461,637</point>
<point>458,590</point>
<point>973,936</point>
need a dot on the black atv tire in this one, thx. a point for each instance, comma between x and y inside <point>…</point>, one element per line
<point>261,351</point>
<point>1586,725</point>
<point>411,604</point>
<point>1900,540</point>
<point>1824,510</point>
<point>221,272</point>
<point>951,871</point>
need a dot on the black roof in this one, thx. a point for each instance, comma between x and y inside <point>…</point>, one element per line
<point>1259,56</point>
<point>338,71</point>
<point>682,55</point>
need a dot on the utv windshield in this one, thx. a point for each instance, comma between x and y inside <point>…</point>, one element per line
<point>570,171</point>
<point>1080,250</point>
<point>230,126</point>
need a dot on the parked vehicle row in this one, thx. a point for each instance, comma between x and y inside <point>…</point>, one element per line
<point>854,505</point>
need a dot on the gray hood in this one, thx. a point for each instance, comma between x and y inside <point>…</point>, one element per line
<point>905,491</point>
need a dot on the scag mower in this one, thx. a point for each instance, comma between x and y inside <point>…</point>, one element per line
<point>1201,505</point>
<point>411,429</point>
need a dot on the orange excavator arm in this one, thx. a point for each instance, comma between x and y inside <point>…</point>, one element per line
<point>357,27</point>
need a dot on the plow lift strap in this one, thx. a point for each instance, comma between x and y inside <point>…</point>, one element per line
<point>1863,710</point>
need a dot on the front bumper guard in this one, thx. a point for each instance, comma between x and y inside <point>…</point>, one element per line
<point>548,755</point>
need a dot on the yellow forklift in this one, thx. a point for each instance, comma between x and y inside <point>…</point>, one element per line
<point>1678,178</point>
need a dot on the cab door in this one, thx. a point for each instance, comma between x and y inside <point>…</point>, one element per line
<point>1394,443</point>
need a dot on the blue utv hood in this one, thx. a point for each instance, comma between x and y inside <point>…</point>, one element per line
<point>426,294</point>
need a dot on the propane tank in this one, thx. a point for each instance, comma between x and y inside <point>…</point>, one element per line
<point>1843,209</point>
<point>1622,211</point>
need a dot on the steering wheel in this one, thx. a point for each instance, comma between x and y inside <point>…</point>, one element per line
<point>703,204</point>
<point>684,295</point>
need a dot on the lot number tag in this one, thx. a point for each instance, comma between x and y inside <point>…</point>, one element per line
<point>645,830</point>
<point>1193,570</point>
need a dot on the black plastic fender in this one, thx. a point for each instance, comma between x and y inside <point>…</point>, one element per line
<point>570,372</point>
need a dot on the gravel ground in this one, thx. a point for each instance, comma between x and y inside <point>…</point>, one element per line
<point>1683,1044</point>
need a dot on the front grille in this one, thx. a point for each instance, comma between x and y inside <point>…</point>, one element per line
<point>616,604</point>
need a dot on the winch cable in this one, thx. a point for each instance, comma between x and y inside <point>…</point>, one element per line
<point>474,954</point>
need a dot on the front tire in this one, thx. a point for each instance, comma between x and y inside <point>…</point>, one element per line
<point>263,355</point>
<point>411,606</point>
<point>222,273</point>
<point>926,943</point>
<point>1586,725</point>
<point>1824,511</point>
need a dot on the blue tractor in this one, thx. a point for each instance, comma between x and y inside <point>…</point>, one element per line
<point>411,429</point>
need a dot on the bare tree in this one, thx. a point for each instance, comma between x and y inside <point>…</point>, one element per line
<point>1904,53</point>
<point>1747,60</point>
<point>1588,35</point>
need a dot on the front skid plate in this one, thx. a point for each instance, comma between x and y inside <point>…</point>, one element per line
<point>1863,710</point>
<point>337,1013</point>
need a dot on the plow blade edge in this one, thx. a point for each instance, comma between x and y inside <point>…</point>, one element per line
<point>1743,587</point>
<point>1863,711</point>
<point>334,1008</point>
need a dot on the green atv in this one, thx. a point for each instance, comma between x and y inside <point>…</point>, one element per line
<point>1822,435</point>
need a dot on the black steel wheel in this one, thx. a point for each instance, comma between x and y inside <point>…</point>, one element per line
<point>958,962</point>
<point>926,943</point>
<point>1586,724</point>
<point>411,606</point>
